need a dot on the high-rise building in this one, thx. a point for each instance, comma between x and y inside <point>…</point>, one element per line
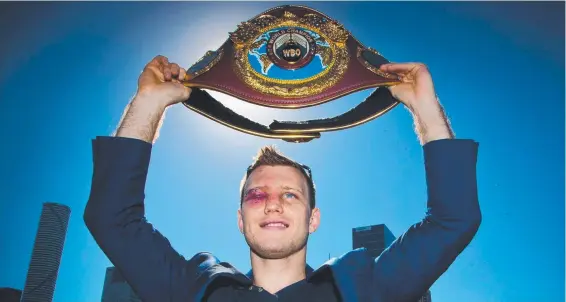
<point>116,288</point>
<point>8,294</point>
<point>46,254</point>
<point>376,238</point>
<point>426,297</point>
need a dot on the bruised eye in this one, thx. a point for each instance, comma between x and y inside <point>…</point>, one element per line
<point>255,196</point>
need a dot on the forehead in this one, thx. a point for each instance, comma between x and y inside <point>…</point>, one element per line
<point>276,176</point>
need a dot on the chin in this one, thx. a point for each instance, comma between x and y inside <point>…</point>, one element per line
<point>273,252</point>
<point>271,248</point>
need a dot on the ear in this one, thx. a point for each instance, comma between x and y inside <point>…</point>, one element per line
<point>240,221</point>
<point>314,220</point>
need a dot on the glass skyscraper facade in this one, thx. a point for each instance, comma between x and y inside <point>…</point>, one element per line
<point>426,297</point>
<point>376,238</point>
<point>46,254</point>
<point>116,289</point>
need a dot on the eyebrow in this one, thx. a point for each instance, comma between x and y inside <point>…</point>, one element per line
<point>293,189</point>
<point>282,187</point>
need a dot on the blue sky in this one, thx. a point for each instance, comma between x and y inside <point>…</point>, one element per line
<point>68,70</point>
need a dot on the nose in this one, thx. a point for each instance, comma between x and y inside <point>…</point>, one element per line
<point>273,204</point>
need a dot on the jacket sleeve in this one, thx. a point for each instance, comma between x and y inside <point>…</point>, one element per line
<point>409,267</point>
<point>115,217</point>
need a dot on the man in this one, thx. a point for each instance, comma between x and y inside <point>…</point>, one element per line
<point>278,212</point>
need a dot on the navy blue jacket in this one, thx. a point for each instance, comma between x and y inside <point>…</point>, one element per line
<point>115,217</point>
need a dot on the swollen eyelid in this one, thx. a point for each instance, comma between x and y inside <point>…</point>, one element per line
<point>256,196</point>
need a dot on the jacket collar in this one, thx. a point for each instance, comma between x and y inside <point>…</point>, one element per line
<point>346,270</point>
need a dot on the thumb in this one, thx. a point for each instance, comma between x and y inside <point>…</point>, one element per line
<point>397,92</point>
<point>180,93</point>
<point>186,92</point>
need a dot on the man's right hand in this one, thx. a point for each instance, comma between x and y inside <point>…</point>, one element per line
<point>161,82</point>
<point>159,86</point>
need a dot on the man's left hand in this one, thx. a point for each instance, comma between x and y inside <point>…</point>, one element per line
<point>416,91</point>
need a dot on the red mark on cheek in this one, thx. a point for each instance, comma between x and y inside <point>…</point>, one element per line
<point>255,197</point>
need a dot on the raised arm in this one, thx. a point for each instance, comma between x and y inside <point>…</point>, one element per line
<point>407,269</point>
<point>115,213</point>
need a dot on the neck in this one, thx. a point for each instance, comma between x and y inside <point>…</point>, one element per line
<point>275,274</point>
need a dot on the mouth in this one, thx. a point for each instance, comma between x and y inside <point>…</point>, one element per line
<point>275,224</point>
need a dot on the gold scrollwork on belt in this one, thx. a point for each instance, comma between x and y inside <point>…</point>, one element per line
<point>372,68</point>
<point>218,55</point>
<point>249,30</point>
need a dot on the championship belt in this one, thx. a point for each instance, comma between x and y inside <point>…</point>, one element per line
<point>290,57</point>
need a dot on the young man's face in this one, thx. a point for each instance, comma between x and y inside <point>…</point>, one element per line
<point>275,216</point>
